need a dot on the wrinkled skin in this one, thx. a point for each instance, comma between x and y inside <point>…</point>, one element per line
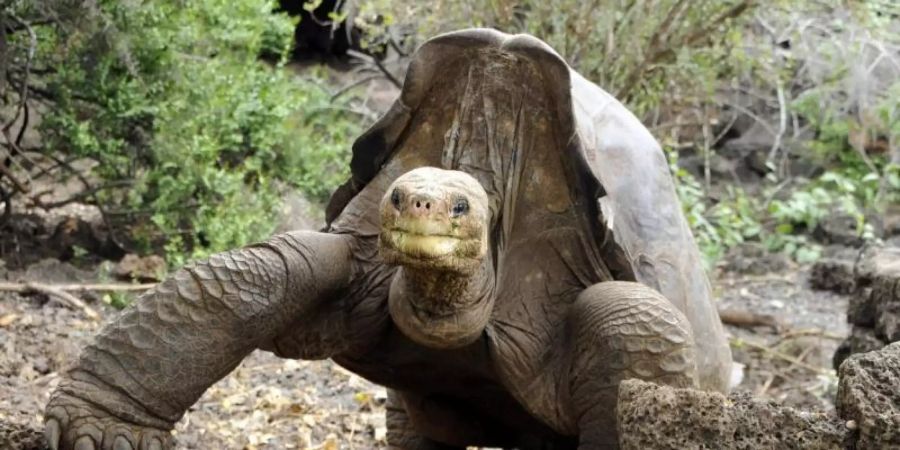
<point>496,300</point>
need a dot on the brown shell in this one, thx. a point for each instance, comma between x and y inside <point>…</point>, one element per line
<point>613,163</point>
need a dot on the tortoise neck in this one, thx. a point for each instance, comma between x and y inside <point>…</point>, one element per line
<point>442,309</point>
<point>444,292</point>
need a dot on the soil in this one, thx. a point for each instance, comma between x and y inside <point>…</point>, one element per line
<point>272,403</point>
<point>790,363</point>
<point>265,403</point>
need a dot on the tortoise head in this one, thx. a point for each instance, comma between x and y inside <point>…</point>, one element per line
<point>434,224</point>
<point>435,220</point>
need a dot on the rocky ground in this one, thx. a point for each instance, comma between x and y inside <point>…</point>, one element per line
<point>785,351</point>
<point>783,332</point>
<point>265,403</point>
<point>783,335</point>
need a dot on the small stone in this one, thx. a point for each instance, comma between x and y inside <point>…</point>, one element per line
<point>7,319</point>
<point>41,365</point>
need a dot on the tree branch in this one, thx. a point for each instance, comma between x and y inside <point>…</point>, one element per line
<point>81,195</point>
<point>378,64</point>
<point>55,293</point>
<point>23,94</point>
<point>653,51</point>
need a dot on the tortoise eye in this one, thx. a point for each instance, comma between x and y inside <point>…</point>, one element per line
<point>461,207</point>
<point>395,198</point>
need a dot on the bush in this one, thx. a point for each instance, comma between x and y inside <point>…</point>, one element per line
<point>191,137</point>
<point>817,67</point>
<point>647,52</point>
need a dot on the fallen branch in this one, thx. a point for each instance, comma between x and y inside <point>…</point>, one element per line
<point>808,332</point>
<point>60,295</point>
<point>79,287</point>
<point>748,319</point>
<point>779,355</point>
<point>62,292</point>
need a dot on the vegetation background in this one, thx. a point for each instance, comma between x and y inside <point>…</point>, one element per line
<point>185,124</point>
<point>136,135</point>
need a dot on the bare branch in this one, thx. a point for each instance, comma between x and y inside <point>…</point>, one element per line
<point>4,46</point>
<point>23,94</point>
<point>21,187</point>
<point>79,287</point>
<point>79,196</point>
<point>653,50</point>
<point>378,64</point>
<point>11,29</point>
<point>88,186</point>
<point>704,33</point>
<point>782,124</point>
<point>352,85</point>
<point>54,293</point>
<point>779,355</point>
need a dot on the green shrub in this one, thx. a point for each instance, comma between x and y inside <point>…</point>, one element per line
<point>681,65</point>
<point>646,52</point>
<point>190,135</point>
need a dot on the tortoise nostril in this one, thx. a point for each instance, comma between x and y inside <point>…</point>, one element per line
<point>418,204</point>
<point>427,205</point>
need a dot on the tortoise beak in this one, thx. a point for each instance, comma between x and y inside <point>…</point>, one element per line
<point>424,246</point>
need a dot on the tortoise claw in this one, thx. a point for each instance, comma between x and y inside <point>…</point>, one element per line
<point>154,444</point>
<point>121,443</point>
<point>74,424</point>
<point>85,443</point>
<point>51,433</point>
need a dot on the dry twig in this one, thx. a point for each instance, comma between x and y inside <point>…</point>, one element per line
<point>62,292</point>
<point>372,61</point>
<point>58,294</point>
<point>748,319</point>
<point>79,287</point>
<point>808,332</point>
<point>779,355</point>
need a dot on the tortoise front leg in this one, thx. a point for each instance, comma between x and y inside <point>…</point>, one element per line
<point>623,330</point>
<point>402,433</point>
<point>144,370</point>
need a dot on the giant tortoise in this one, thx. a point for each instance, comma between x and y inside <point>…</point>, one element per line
<point>508,248</point>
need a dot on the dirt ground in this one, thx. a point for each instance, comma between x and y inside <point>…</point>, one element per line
<point>272,403</point>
